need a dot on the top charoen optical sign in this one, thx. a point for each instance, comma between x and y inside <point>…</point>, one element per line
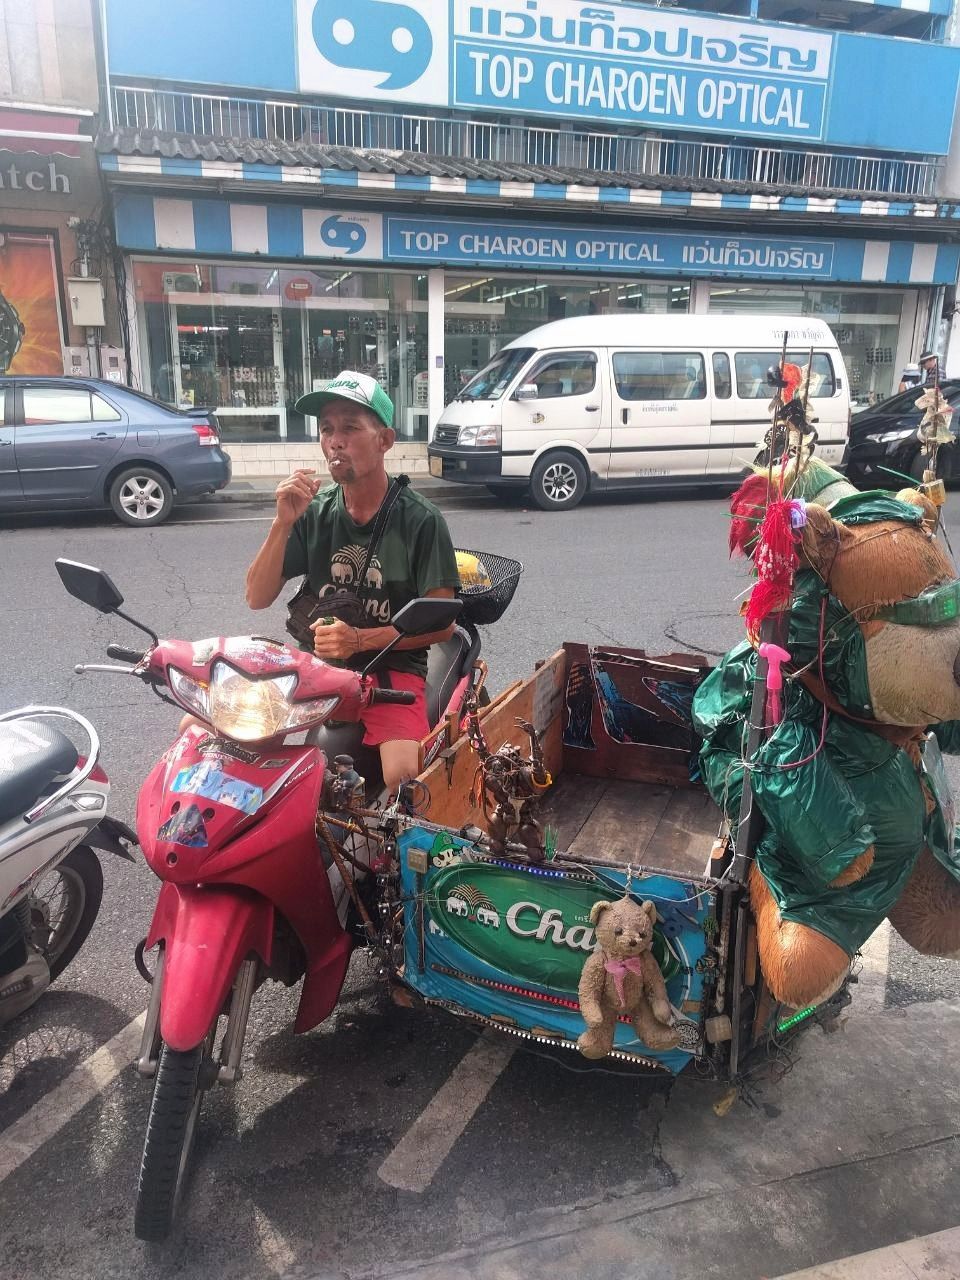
<point>610,63</point>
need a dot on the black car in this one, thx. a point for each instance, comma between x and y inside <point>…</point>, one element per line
<point>883,448</point>
<point>86,442</point>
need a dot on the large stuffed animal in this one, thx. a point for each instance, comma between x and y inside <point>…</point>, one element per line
<point>858,813</point>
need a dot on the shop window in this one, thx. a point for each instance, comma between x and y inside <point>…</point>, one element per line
<point>43,406</point>
<point>573,373</point>
<point>752,369</point>
<point>655,375</point>
<point>721,375</point>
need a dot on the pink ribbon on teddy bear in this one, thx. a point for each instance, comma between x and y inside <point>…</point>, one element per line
<point>618,968</point>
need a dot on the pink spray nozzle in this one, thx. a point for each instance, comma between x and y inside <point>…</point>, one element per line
<point>775,657</point>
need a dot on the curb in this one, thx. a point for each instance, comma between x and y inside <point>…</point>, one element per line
<point>262,489</point>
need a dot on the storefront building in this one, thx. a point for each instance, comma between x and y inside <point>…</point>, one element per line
<point>57,301</point>
<point>272,239</point>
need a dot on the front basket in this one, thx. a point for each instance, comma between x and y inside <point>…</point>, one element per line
<point>487,584</point>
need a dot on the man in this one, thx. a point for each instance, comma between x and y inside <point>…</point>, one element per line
<point>323,533</point>
<point>929,364</point>
<point>910,377</point>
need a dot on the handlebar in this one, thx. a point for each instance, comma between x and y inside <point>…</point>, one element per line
<point>393,695</point>
<point>123,654</point>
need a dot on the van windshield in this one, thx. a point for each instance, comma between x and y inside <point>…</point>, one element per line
<point>494,378</point>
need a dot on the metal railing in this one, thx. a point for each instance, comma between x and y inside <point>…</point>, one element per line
<point>628,151</point>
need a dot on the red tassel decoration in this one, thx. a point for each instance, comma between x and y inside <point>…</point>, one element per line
<point>776,561</point>
<point>747,506</point>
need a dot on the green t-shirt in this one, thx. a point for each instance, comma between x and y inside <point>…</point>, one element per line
<point>415,556</point>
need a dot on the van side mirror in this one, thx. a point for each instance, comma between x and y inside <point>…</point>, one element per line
<point>90,585</point>
<point>527,391</point>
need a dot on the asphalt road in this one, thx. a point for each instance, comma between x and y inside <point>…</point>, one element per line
<point>286,1170</point>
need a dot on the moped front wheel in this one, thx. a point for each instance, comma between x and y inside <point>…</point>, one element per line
<point>171,1129</point>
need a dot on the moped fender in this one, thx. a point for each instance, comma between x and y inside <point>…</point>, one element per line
<point>112,836</point>
<point>206,932</point>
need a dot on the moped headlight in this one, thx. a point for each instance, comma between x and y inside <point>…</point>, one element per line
<point>191,692</point>
<point>251,710</point>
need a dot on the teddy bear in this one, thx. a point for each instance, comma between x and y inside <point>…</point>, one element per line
<point>622,976</point>
<point>857,812</point>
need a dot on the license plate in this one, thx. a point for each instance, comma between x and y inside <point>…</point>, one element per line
<point>436,467</point>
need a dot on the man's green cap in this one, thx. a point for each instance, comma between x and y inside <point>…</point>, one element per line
<point>359,387</point>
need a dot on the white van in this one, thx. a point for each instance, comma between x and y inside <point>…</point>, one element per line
<point>618,402</point>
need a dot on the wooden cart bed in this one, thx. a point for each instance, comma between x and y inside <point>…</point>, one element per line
<point>624,799</point>
<point>620,821</point>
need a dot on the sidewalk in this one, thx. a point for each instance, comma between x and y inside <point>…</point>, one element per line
<point>261,489</point>
<point>933,1257</point>
<point>819,1167</point>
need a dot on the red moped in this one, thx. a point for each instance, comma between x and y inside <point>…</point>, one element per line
<point>227,820</point>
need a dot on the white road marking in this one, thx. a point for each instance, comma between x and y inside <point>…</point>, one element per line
<point>414,1161</point>
<point>48,1116</point>
<point>274,1247</point>
<point>870,992</point>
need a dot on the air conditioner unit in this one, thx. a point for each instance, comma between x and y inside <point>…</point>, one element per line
<point>180,282</point>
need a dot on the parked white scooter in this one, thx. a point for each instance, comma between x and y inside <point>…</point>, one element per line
<point>53,814</point>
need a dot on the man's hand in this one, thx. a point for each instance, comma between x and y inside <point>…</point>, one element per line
<point>334,639</point>
<point>295,494</point>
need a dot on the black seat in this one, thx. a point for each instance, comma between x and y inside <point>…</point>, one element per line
<point>32,756</point>
<point>446,663</point>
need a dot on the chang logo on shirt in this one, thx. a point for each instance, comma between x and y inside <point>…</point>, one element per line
<point>374,35</point>
<point>345,568</point>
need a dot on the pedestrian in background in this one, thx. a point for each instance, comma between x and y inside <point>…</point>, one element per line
<point>930,365</point>
<point>910,377</point>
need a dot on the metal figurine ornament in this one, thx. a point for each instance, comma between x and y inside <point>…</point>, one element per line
<point>934,430</point>
<point>508,787</point>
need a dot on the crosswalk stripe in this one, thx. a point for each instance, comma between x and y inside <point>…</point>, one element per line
<point>48,1116</point>
<point>421,1151</point>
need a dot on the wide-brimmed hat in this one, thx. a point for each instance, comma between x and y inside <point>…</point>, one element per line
<point>348,385</point>
<point>927,355</point>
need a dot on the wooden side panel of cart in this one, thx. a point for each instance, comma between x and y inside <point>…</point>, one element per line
<point>538,699</point>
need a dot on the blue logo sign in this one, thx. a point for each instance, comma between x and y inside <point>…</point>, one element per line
<point>370,35</point>
<point>339,233</point>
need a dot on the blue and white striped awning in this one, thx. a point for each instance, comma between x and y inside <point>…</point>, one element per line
<point>285,231</point>
<point>570,193</point>
<point>939,7</point>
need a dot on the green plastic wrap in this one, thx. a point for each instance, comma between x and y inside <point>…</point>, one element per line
<point>859,791</point>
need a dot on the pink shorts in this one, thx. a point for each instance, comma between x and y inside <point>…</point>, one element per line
<point>392,721</point>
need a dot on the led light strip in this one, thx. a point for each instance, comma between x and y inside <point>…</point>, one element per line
<point>635,1058</point>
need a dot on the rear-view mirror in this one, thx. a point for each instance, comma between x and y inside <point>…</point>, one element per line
<point>90,585</point>
<point>527,391</point>
<point>428,613</point>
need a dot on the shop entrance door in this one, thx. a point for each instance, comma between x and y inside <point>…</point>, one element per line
<point>230,357</point>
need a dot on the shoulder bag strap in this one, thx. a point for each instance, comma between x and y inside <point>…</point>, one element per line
<point>397,486</point>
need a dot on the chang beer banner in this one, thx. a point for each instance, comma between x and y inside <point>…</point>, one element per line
<point>532,927</point>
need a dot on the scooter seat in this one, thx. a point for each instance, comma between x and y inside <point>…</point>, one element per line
<point>446,664</point>
<point>32,756</point>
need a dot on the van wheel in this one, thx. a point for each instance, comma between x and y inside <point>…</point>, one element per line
<point>141,496</point>
<point>558,482</point>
